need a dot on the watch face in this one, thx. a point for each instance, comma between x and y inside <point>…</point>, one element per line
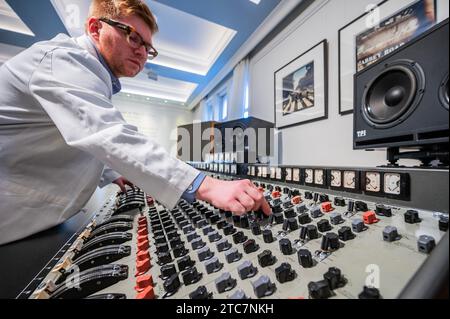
<point>296,174</point>
<point>350,179</point>
<point>318,176</point>
<point>309,176</point>
<point>288,174</point>
<point>336,178</point>
<point>373,182</point>
<point>392,183</point>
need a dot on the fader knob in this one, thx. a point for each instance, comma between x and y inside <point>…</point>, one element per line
<point>330,242</point>
<point>256,229</point>
<point>334,278</point>
<point>412,217</point>
<point>324,225</point>
<point>305,258</point>
<point>266,258</point>
<point>382,210</point>
<point>286,246</point>
<point>369,293</point>
<point>267,236</point>
<point>172,284</point>
<point>319,290</point>
<point>284,273</point>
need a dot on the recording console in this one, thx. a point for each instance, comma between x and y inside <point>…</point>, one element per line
<point>333,233</point>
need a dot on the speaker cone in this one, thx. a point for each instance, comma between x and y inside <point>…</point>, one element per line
<point>393,94</point>
<point>443,92</point>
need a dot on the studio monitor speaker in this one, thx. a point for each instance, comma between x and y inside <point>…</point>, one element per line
<point>402,100</point>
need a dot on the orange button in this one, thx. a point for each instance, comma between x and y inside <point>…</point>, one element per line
<point>143,254</point>
<point>276,194</point>
<point>142,231</point>
<point>142,266</point>
<point>142,222</point>
<point>296,200</point>
<point>370,218</point>
<point>144,281</point>
<point>327,207</point>
<point>144,245</point>
<point>147,293</point>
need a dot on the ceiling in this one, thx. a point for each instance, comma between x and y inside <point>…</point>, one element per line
<point>197,38</point>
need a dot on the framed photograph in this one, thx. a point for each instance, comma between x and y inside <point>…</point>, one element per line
<point>381,30</point>
<point>301,88</point>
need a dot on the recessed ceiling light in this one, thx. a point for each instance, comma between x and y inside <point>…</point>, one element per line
<point>9,20</point>
<point>256,1</point>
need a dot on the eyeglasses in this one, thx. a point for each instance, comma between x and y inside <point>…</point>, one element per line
<point>133,37</point>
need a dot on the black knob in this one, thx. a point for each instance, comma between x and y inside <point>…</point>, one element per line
<point>277,208</point>
<point>267,236</point>
<point>250,246</point>
<point>222,223</point>
<point>256,229</point>
<point>345,233</point>
<point>305,258</point>
<point>334,278</point>
<point>351,206</point>
<point>339,201</point>
<point>266,258</point>
<point>164,258</point>
<point>293,225</point>
<point>239,237</point>
<point>330,242</point>
<point>200,293</point>
<point>289,213</point>
<point>191,276</point>
<point>237,220</point>
<point>319,290</point>
<point>382,210</point>
<point>316,197</point>
<point>311,231</point>
<point>284,273</point>
<point>180,251</point>
<point>323,198</point>
<point>172,284</point>
<point>278,218</point>
<point>369,293</point>
<point>304,219</point>
<point>324,225</point>
<point>167,271</point>
<point>412,217</point>
<point>361,206</point>
<point>228,229</point>
<point>244,221</point>
<point>286,246</point>
<point>184,263</point>
<point>443,223</point>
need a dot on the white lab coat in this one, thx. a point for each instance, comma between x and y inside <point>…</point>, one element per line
<point>58,130</point>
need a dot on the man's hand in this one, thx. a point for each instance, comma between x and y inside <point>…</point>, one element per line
<point>121,182</point>
<point>238,197</point>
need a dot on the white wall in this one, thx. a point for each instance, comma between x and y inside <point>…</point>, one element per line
<point>157,121</point>
<point>327,142</point>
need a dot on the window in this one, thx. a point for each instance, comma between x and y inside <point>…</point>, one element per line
<point>209,111</point>
<point>246,101</point>
<point>223,107</point>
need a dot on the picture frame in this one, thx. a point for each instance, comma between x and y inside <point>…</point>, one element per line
<point>301,88</point>
<point>386,10</point>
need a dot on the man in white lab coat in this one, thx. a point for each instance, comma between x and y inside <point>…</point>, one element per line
<point>61,137</point>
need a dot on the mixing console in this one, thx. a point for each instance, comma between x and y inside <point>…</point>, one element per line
<point>314,245</point>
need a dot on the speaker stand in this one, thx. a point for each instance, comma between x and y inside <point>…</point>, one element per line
<point>430,156</point>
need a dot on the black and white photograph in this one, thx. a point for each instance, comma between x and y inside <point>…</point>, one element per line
<point>301,88</point>
<point>298,90</point>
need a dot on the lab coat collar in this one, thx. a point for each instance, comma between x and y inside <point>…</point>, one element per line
<point>92,49</point>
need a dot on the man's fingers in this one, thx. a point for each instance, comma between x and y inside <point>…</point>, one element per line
<point>246,201</point>
<point>122,187</point>
<point>237,208</point>
<point>266,208</point>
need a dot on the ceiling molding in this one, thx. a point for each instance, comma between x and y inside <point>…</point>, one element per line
<point>274,18</point>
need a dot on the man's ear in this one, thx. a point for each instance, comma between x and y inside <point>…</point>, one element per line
<point>93,28</point>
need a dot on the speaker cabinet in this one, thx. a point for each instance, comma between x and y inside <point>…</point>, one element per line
<point>195,140</point>
<point>402,100</point>
<point>250,138</point>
